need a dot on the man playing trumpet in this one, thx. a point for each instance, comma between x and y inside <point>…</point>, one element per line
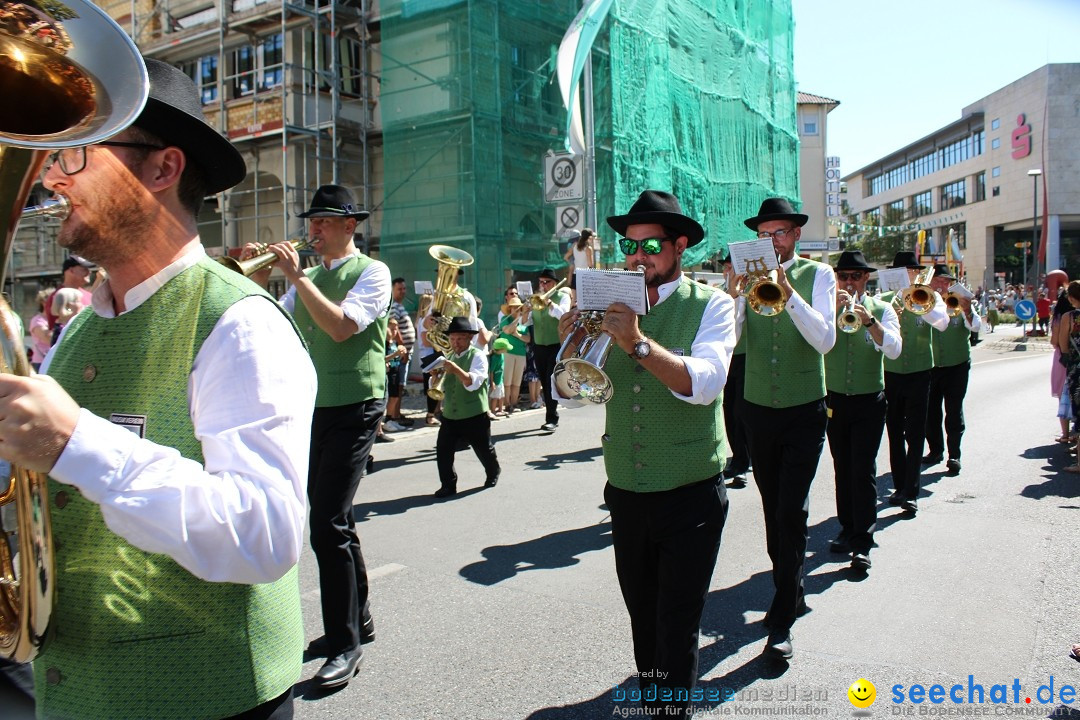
<point>664,443</point>
<point>855,382</point>
<point>545,324</point>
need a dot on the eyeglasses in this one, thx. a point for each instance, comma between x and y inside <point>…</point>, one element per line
<point>857,275</point>
<point>73,160</point>
<point>777,235</point>
<point>650,246</point>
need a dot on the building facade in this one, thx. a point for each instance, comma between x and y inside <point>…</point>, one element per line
<point>819,181</point>
<point>970,185</point>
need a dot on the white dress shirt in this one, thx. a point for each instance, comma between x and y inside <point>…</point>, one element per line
<point>368,299</point>
<point>560,305</point>
<point>710,353</point>
<point>815,321</point>
<point>239,516</point>
<point>478,370</point>
<point>891,344</point>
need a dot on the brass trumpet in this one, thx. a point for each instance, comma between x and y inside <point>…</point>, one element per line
<point>764,295</point>
<point>952,305</point>
<point>539,301</point>
<point>263,260</point>
<point>918,298</point>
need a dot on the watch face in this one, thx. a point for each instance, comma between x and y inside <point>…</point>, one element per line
<point>642,349</point>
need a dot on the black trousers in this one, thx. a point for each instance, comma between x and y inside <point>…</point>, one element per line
<point>855,430</point>
<point>544,358</point>
<point>431,403</point>
<point>948,386</point>
<point>280,708</point>
<point>475,431</point>
<point>905,420</point>
<point>785,446</point>
<point>341,440</point>
<point>733,422</point>
<point>666,545</point>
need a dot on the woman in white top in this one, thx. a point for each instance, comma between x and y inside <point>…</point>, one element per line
<point>580,253</point>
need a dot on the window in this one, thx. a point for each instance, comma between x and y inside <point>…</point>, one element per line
<point>897,208</point>
<point>350,72</point>
<point>243,82</point>
<point>808,121</point>
<point>953,195</point>
<point>995,123</point>
<point>995,191</point>
<point>995,172</point>
<point>995,143</point>
<point>272,50</point>
<point>809,127</point>
<point>920,204</point>
<point>203,72</point>
<point>258,67</point>
<point>980,187</point>
<point>939,159</point>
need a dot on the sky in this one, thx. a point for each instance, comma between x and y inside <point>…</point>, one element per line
<point>902,70</point>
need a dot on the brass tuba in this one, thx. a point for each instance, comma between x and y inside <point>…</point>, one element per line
<point>70,77</point>
<point>449,301</point>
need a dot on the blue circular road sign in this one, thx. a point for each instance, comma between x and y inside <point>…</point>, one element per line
<point>1025,310</point>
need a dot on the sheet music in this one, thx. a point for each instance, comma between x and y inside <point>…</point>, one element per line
<point>753,256</point>
<point>423,287</point>
<point>893,279</point>
<point>524,288</point>
<point>597,289</point>
<point>962,291</point>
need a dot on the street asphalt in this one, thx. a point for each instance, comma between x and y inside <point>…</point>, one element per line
<point>503,602</point>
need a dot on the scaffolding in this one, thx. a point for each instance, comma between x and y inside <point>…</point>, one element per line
<point>288,82</point>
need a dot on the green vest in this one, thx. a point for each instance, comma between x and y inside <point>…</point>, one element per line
<point>952,347</point>
<point>654,441</point>
<point>354,370</point>
<point>782,369</point>
<point>545,327</point>
<point>459,403</point>
<point>136,636</point>
<point>918,352</point>
<point>854,365</point>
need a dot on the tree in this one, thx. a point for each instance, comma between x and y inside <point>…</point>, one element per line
<point>880,239</point>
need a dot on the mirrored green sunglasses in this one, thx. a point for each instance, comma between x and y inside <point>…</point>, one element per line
<point>650,246</point>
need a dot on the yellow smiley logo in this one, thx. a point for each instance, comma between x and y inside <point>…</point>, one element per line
<point>862,693</point>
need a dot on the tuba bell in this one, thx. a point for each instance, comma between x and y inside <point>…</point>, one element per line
<point>71,77</point>
<point>449,300</point>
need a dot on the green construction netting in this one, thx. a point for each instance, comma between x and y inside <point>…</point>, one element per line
<point>692,96</point>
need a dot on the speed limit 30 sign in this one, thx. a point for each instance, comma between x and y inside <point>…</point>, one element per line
<point>562,178</point>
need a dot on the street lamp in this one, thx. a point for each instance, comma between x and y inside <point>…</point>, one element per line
<point>1034,226</point>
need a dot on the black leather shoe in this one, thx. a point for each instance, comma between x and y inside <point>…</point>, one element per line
<point>339,669</point>
<point>932,459</point>
<point>840,545</point>
<point>896,498</point>
<point>549,427</point>
<point>779,645</point>
<point>445,492</point>
<point>491,482</point>
<point>910,505</point>
<point>737,482</point>
<point>860,561</point>
<point>367,631</point>
<point>952,468</point>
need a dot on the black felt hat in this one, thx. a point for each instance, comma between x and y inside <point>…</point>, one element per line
<point>547,274</point>
<point>853,260</point>
<point>174,113</point>
<point>656,206</point>
<point>775,209</point>
<point>76,261</point>
<point>942,271</point>
<point>335,201</point>
<point>906,259</point>
<point>461,324</point>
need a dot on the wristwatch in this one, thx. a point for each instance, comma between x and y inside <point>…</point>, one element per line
<point>642,350</point>
<point>872,323</point>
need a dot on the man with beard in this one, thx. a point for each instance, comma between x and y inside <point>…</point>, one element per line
<point>854,378</point>
<point>664,446</point>
<point>784,405</point>
<point>175,458</point>
<point>341,307</point>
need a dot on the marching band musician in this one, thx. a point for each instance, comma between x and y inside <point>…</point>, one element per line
<point>664,444</point>
<point>855,381</point>
<point>341,307</point>
<point>907,387</point>
<point>176,459</point>
<point>735,472</point>
<point>465,408</point>
<point>949,378</point>
<point>784,406</point>
<point>546,342</point>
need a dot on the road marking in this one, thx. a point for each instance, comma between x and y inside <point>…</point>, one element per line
<point>384,570</point>
<point>1018,357</point>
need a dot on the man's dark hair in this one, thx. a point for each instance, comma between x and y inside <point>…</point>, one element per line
<point>192,187</point>
<point>397,280</point>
